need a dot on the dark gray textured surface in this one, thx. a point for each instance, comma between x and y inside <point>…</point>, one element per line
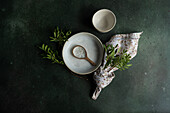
<point>29,84</point>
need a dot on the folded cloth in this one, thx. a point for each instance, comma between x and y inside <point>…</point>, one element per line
<point>103,77</point>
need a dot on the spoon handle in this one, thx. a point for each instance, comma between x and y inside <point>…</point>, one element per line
<point>90,61</point>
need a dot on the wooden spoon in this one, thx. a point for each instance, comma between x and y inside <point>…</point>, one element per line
<point>80,52</point>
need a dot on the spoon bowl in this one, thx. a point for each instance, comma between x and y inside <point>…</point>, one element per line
<point>80,52</point>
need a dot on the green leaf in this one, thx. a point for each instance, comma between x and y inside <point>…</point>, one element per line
<point>51,37</point>
<point>48,50</point>
<point>115,50</point>
<point>112,54</point>
<point>129,65</point>
<point>119,50</point>
<point>43,46</point>
<point>46,47</point>
<point>104,47</point>
<point>123,68</point>
<point>62,32</point>
<point>53,55</point>
<point>49,57</point>
<point>116,45</point>
<point>55,34</point>
<point>40,47</point>
<point>57,29</point>
<point>52,58</point>
<point>68,33</point>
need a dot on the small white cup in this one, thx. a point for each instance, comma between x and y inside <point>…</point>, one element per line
<point>104,20</point>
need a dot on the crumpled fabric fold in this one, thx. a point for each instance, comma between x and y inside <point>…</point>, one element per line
<point>103,77</point>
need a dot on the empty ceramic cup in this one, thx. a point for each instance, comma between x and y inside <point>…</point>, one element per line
<point>104,20</point>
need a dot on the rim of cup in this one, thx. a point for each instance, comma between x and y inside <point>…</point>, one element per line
<point>107,30</point>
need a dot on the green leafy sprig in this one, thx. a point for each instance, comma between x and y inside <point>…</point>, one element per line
<point>59,37</point>
<point>114,60</point>
<point>51,55</point>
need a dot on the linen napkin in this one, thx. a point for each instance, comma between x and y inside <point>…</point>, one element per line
<point>103,77</point>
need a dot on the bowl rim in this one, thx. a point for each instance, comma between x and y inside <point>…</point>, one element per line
<point>104,31</point>
<point>102,51</point>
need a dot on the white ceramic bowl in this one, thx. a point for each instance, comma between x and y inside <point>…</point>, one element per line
<point>104,20</point>
<point>94,49</point>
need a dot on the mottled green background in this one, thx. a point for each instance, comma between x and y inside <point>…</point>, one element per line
<point>30,84</point>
